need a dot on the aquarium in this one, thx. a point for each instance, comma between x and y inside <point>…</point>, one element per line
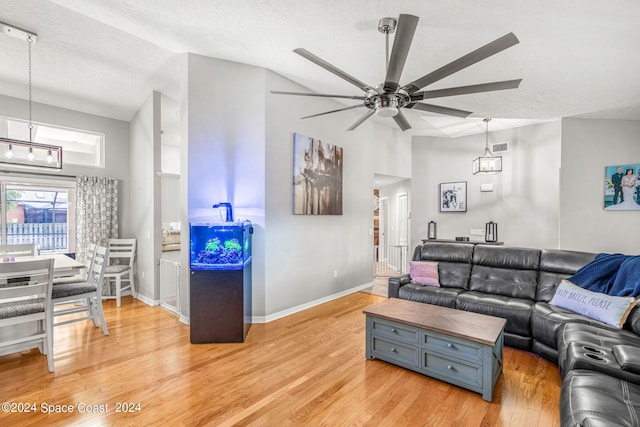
<point>220,246</point>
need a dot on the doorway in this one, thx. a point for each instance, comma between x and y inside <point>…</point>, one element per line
<point>391,226</point>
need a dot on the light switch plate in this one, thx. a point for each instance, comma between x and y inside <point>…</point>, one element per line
<point>486,187</point>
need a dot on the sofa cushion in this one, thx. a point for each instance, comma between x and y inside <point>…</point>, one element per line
<point>506,257</point>
<point>445,297</point>
<point>517,311</point>
<point>502,281</point>
<point>424,273</point>
<point>556,265</point>
<point>595,399</point>
<point>450,252</point>
<point>510,272</point>
<point>590,335</point>
<point>454,262</point>
<point>605,308</point>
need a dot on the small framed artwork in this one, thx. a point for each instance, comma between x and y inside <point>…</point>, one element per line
<point>453,196</point>
<point>621,187</point>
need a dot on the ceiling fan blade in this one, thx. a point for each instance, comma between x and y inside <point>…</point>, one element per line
<point>438,109</point>
<point>402,121</point>
<point>323,95</point>
<point>463,62</point>
<point>401,43</point>
<point>463,90</point>
<point>333,111</point>
<point>338,72</point>
<point>362,119</point>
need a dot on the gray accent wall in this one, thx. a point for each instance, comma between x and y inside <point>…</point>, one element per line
<point>525,198</point>
<point>587,147</point>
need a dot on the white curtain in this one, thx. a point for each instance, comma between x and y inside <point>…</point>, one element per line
<point>96,212</point>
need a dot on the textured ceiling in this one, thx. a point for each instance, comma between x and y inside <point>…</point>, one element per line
<point>576,57</point>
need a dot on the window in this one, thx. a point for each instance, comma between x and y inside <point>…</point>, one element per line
<point>79,147</point>
<point>34,213</point>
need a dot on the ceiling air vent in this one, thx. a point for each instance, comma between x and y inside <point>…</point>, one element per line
<point>500,147</point>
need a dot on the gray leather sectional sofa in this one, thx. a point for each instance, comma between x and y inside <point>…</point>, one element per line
<point>599,364</point>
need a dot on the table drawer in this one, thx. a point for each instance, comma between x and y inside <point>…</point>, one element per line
<point>455,371</point>
<point>398,352</point>
<point>451,346</point>
<point>395,331</point>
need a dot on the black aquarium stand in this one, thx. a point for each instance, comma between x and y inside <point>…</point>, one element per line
<point>220,305</point>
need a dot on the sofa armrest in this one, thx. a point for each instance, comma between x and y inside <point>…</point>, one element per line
<point>396,282</point>
<point>628,356</point>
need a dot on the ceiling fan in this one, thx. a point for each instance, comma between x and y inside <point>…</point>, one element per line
<point>388,98</point>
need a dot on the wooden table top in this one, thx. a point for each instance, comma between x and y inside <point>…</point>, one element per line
<point>470,326</point>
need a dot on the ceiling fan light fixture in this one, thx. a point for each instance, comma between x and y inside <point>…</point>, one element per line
<point>386,106</point>
<point>386,111</point>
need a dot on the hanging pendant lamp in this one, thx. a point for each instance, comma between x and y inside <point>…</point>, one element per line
<point>487,163</point>
<point>28,153</point>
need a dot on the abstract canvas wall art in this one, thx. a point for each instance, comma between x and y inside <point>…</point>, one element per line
<point>317,177</point>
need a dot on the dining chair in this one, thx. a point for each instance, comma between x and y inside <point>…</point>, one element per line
<point>84,274</point>
<point>25,299</point>
<point>122,259</point>
<point>87,293</point>
<point>22,249</point>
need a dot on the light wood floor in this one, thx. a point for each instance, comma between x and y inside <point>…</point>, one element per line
<point>307,369</point>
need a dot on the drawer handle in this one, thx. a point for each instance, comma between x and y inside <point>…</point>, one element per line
<point>450,367</point>
<point>393,330</point>
<point>450,345</point>
<point>392,350</point>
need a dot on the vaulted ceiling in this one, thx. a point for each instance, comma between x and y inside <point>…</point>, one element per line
<point>576,57</point>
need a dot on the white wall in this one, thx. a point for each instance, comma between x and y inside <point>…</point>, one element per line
<point>525,200</point>
<point>588,146</point>
<point>224,111</point>
<point>303,251</point>
<point>116,144</point>
<point>144,202</point>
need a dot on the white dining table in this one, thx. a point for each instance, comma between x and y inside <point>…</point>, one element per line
<point>62,265</point>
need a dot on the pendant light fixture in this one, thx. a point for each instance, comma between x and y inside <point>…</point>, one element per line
<point>28,153</point>
<point>487,163</point>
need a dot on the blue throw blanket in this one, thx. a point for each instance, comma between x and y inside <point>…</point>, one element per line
<point>612,274</point>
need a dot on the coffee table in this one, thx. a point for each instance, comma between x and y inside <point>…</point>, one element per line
<point>455,346</point>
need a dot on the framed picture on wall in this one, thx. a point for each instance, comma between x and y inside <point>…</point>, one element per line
<point>317,177</point>
<point>453,196</point>
<point>621,187</point>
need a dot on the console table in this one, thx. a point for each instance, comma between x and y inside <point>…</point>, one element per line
<point>455,346</point>
<point>469,242</point>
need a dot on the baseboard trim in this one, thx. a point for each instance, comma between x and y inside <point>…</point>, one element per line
<point>292,310</point>
<point>146,300</point>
